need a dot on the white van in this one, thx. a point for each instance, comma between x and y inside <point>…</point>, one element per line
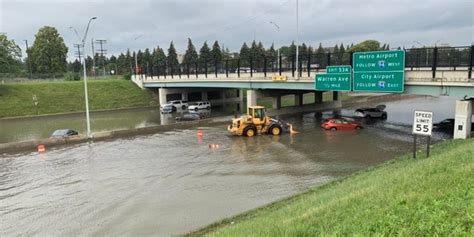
<point>200,105</point>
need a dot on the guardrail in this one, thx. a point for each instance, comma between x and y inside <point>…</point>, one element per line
<point>434,59</point>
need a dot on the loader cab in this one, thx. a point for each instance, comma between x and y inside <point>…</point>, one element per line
<point>257,113</point>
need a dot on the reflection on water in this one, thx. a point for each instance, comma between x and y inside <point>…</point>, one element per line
<point>13,130</point>
<point>171,183</point>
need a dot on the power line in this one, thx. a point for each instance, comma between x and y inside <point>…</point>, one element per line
<point>231,27</point>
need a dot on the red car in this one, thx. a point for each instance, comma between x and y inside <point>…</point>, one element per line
<point>340,124</point>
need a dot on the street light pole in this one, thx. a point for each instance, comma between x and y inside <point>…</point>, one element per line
<point>136,60</point>
<point>278,50</point>
<point>297,43</point>
<point>89,135</point>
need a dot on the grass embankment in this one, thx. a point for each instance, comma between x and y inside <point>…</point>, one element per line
<point>68,96</point>
<point>404,197</point>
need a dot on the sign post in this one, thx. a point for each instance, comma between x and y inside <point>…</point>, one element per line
<point>337,78</point>
<point>379,71</point>
<point>422,125</point>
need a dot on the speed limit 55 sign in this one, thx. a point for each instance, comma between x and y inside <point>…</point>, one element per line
<point>423,123</point>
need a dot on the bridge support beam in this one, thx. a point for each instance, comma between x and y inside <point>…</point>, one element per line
<point>463,119</point>
<point>251,98</point>
<point>299,99</point>
<point>276,103</point>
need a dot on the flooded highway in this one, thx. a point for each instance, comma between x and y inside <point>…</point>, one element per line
<point>171,183</point>
<point>22,129</point>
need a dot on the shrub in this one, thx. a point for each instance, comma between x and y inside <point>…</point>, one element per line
<point>71,76</point>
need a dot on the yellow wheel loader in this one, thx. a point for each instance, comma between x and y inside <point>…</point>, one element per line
<point>256,123</point>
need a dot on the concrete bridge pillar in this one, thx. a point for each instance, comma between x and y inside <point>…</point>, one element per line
<point>276,103</point>
<point>184,96</point>
<point>318,97</point>
<point>335,95</point>
<point>162,92</point>
<point>299,99</point>
<point>251,98</point>
<point>463,119</point>
<point>204,95</point>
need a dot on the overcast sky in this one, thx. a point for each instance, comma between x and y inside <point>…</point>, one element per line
<point>231,22</point>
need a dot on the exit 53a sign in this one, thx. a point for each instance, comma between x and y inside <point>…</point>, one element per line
<point>423,123</point>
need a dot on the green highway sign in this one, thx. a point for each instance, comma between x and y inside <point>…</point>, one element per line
<point>333,82</point>
<point>379,71</point>
<point>338,69</point>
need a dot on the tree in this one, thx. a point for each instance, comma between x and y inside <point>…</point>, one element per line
<point>10,55</point>
<point>172,59</point>
<point>159,60</point>
<point>76,66</point>
<point>244,54</point>
<point>272,54</point>
<point>368,45</point>
<point>257,52</point>
<point>204,55</point>
<point>147,62</point>
<point>191,56</point>
<point>216,54</point>
<point>335,53</point>
<point>48,52</point>
<point>321,55</point>
<point>342,56</point>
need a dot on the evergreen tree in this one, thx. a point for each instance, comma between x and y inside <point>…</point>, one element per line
<point>335,53</point>
<point>204,55</point>
<point>342,56</point>
<point>190,56</point>
<point>244,55</point>
<point>172,59</point>
<point>216,54</point>
<point>159,60</point>
<point>272,54</point>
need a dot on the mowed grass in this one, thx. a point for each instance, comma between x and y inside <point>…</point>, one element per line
<point>68,96</point>
<point>404,197</point>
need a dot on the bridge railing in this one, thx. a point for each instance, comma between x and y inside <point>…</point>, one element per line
<point>416,59</point>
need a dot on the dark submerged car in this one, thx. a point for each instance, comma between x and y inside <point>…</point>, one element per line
<point>63,133</point>
<point>377,112</point>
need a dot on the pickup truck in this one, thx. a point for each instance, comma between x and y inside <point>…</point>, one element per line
<point>178,104</point>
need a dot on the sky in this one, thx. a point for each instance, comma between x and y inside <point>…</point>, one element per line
<point>404,23</point>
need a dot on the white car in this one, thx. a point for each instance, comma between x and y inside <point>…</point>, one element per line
<point>200,105</point>
<point>178,104</point>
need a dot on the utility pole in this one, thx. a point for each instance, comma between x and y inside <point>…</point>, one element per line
<point>93,58</point>
<point>78,53</point>
<point>29,59</point>
<point>102,52</point>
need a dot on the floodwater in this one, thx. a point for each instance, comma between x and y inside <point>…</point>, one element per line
<point>22,129</point>
<point>172,183</point>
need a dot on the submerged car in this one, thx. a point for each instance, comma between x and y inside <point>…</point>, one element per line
<point>377,112</point>
<point>63,133</point>
<point>168,109</point>
<point>447,125</point>
<point>340,124</point>
<point>190,117</point>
